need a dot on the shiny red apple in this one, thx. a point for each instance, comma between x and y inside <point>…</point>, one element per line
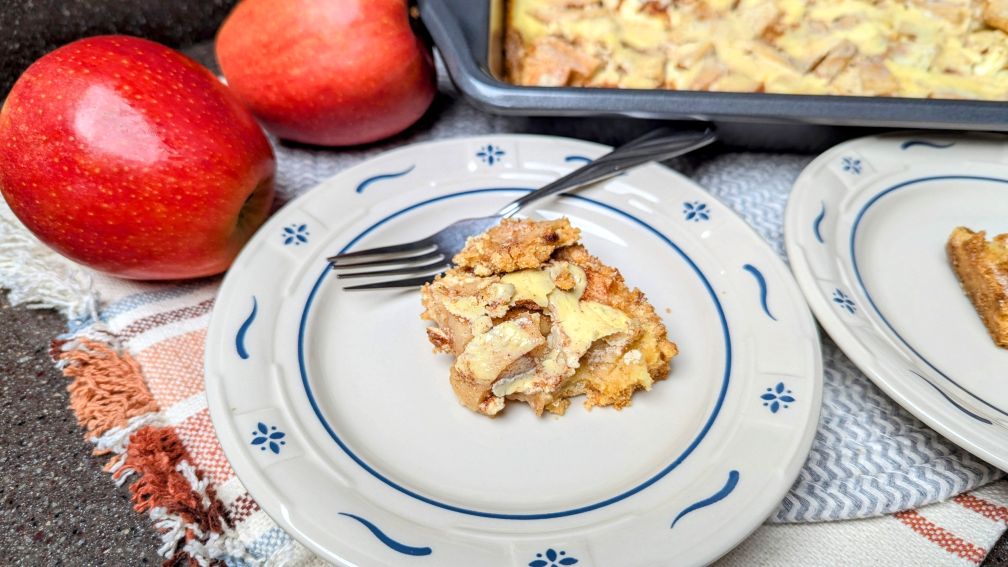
<point>327,72</point>
<point>131,158</point>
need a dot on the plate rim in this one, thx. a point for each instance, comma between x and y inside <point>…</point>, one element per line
<point>790,470</point>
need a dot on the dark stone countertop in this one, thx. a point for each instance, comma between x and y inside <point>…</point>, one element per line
<point>57,506</point>
<point>30,29</point>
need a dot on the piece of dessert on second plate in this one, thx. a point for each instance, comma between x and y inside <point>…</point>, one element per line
<point>982,268</point>
<point>531,316</point>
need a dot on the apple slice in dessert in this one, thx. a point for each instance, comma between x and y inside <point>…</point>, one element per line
<point>531,316</point>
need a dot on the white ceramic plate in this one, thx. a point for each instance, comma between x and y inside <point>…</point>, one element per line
<point>865,228</point>
<point>340,421</point>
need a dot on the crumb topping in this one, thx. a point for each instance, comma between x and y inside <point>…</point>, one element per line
<point>515,244</point>
<point>533,317</point>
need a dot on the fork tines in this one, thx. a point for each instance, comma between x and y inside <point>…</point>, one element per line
<point>394,251</point>
<point>420,258</point>
<point>391,284</point>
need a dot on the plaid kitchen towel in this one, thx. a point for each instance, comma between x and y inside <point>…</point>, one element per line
<point>134,357</point>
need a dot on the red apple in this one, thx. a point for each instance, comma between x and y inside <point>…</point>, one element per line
<point>131,158</point>
<point>327,72</point>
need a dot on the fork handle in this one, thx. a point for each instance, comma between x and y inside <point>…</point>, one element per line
<point>657,145</point>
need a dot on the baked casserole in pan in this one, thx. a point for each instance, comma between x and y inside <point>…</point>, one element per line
<point>905,48</point>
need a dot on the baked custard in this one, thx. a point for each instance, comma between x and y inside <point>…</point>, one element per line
<point>532,317</point>
<point>982,268</point>
<point>906,48</point>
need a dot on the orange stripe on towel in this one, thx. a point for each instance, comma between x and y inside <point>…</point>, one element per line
<point>154,454</point>
<point>941,537</point>
<point>107,388</point>
<point>983,507</point>
<point>173,367</point>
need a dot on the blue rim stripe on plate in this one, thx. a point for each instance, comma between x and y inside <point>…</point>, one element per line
<point>367,182</point>
<point>240,336</point>
<point>951,401</point>
<point>857,270</point>
<point>733,478</point>
<point>539,516</point>
<point>817,224</point>
<point>761,282</point>
<point>911,143</point>
<point>401,548</point>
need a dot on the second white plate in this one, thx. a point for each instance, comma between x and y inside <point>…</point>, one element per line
<point>865,229</point>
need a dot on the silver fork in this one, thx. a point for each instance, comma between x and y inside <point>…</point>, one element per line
<point>422,260</point>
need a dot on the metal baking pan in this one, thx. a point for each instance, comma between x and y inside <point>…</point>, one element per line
<point>469,35</point>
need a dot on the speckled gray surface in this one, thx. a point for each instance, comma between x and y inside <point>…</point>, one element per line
<point>998,557</point>
<point>57,507</point>
<point>30,28</point>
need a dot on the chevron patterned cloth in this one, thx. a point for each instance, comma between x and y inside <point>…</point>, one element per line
<point>870,459</point>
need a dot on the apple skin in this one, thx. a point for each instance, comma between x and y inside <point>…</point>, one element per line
<point>132,159</point>
<point>327,72</point>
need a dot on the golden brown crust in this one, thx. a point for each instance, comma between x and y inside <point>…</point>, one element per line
<point>552,62</point>
<point>515,244</point>
<point>982,269</point>
<point>911,48</point>
<point>467,308</point>
<point>995,14</point>
<point>514,55</point>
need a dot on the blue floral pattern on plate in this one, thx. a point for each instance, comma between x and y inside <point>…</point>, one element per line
<point>851,165</point>
<point>265,436</point>
<point>490,154</point>
<point>296,234</point>
<point>844,301</point>
<point>777,397</point>
<point>552,558</point>
<point>696,211</point>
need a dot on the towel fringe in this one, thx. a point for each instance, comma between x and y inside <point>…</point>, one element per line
<point>107,387</point>
<point>111,401</point>
<point>39,278</point>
